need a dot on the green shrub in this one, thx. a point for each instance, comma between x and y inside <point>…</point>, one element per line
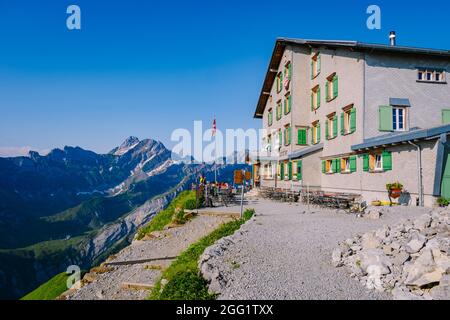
<point>186,285</point>
<point>178,217</point>
<point>190,204</point>
<point>443,201</point>
<point>248,213</point>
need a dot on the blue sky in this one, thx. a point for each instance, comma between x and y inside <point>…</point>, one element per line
<point>145,68</point>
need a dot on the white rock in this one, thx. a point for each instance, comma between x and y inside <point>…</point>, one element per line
<point>336,257</point>
<point>414,245</point>
<point>369,241</point>
<point>422,222</point>
<point>374,258</point>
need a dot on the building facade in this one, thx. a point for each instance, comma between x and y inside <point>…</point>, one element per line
<point>344,116</point>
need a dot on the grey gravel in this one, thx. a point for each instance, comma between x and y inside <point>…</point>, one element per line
<point>284,253</point>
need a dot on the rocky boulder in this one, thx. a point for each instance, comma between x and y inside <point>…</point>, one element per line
<point>411,259</point>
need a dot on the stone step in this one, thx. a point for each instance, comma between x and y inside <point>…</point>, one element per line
<point>136,286</point>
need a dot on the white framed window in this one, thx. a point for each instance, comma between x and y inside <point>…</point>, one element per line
<point>430,75</point>
<point>398,118</point>
<point>268,171</point>
<point>315,65</point>
<point>378,163</point>
<point>345,165</point>
<point>329,166</point>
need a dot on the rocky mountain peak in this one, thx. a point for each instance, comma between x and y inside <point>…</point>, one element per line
<point>127,145</point>
<point>129,142</point>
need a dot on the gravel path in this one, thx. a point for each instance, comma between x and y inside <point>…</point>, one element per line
<point>283,253</point>
<point>169,243</point>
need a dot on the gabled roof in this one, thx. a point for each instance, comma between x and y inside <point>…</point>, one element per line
<point>281,44</point>
<point>399,137</point>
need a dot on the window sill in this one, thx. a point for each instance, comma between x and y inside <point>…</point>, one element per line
<point>331,138</point>
<point>315,76</point>
<point>346,172</point>
<point>435,82</point>
<point>376,171</point>
<point>348,133</point>
<point>331,99</point>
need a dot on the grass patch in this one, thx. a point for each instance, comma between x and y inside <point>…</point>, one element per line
<point>184,281</point>
<point>49,290</point>
<point>184,200</point>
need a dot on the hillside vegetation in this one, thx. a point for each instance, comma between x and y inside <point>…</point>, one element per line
<point>49,290</point>
<point>185,200</point>
<point>184,280</point>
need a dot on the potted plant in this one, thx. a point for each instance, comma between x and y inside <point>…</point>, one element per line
<point>394,190</point>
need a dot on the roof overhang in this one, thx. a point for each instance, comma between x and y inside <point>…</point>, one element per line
<point>305,151</point>
<point>404,137</point>
<point>281,43</point>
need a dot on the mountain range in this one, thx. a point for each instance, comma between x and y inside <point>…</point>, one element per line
<point>74,206</point>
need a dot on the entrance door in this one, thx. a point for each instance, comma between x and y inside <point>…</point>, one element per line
<point>445,184</point>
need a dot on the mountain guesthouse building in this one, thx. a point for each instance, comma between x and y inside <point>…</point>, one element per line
<point>346,116</point>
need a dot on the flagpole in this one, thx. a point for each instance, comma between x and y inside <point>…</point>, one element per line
<point>215,150</point>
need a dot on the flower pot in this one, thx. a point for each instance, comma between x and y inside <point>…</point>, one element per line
<point>395,193</point>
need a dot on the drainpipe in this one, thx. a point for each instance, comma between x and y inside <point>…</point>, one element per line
<point>419,172</point>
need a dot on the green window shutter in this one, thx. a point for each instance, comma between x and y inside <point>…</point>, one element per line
<point>365,162</point>
<point>285,106</point>
<point>387,160</point>
<point>318,132</point>
<point>301,136</point>
<point>284,136</point>
<point>327,135</point>
<point>323,166</point>
<point>282,170</point>
<point>312,70</point>
<point>335,86</point>
<point>289,135</point>
<point>334,168</point>
<point>327,98</point>
<point>338,165</point>
<point>312,135</point>
<point>312,101</point>
<point>299,170</point>
<point>289,103</point>
<point>278,83</point>
<point>290,170</point>
<point>280,139</point>
<point>318,97</point>
<point>445,116</point>
<point>342,124</point>
<point>385,118</point>
<point>335,126</point>
<point>353,120</point>
<point>352,164</point>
